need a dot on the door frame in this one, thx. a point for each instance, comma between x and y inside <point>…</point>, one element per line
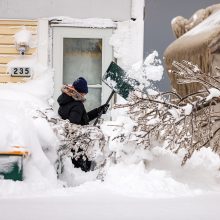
<point>61,32</point>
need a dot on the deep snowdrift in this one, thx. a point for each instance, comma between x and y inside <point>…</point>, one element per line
<point>154,173</point>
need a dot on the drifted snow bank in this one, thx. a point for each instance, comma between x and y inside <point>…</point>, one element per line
<point>153,173</point>
<point>163,177</point>
<point>157,172</point>
<point>19,103</point>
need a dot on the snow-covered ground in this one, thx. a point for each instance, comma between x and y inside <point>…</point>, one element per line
<point>101,205</point>
<point>154,188</point>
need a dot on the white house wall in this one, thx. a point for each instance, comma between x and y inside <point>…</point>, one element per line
<point>32,9</point>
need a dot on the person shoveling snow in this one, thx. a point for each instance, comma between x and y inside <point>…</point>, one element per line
<point>72,108</point>
<point>71,103</point>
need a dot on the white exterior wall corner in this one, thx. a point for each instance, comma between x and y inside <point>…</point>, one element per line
<point>137,9</point>
<point>43,42</point>
<point>117,10</point>
<point>128,38</point>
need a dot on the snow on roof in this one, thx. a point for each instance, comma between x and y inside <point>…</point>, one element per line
<point>89,22</point>
<point>213,21</point>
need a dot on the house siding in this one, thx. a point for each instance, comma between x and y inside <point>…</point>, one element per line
<point>8,52</point>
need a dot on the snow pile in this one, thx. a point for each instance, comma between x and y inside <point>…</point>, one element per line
<point>74,177</point>
<point>89,22</point>
<point>36,92</point>
<point>208,24</point>
<point>156,172</point>
<point>24,62</point>
<point>139,172</point>
<point>21,130</point>
<point>153,67</point>
<point>149,169</point>
<point>147,72</point>
<point>19,104</point>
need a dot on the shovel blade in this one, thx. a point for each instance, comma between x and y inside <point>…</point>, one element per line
<point>115,77</point>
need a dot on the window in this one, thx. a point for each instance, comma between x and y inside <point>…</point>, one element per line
<point>83,57</point>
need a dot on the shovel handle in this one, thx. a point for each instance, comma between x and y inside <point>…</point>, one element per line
<point>108,100</point>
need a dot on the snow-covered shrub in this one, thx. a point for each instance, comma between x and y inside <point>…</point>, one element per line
<point>125,141</point>
<point>167,119</point>
<point>86,141</point>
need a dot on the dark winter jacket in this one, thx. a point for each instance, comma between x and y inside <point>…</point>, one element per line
<point>74,110</point>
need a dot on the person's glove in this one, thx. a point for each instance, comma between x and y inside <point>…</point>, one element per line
<point>103,108</point>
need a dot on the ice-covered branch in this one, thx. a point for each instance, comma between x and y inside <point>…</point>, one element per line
<point>190,122</point>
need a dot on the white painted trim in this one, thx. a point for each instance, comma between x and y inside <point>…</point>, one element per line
<point>86,26</point>
<point>43,41</point>
<point>137,9</point>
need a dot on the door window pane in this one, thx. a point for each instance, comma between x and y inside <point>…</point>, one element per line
<point>93,98</point>
<point>82,57</point>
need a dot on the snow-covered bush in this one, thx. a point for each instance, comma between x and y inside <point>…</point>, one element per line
<point>167,119</point>
<point>86,141</point>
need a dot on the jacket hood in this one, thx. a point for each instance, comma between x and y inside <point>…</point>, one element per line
<point>69,94</point>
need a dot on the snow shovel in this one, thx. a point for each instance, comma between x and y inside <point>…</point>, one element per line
<point>115,77</point>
